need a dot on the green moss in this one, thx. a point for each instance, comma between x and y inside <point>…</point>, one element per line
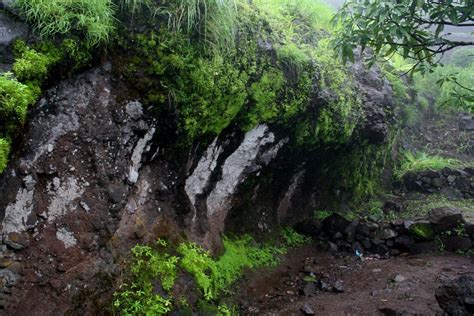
<point>4,152</point>
<point>422,231</point>
<point>246,86</point>
<point>210,96</point>
<point>293,57</point>
<point>15,98</point>
<point>264,97</point>
<point>208,93</point>
<point>32,65</point>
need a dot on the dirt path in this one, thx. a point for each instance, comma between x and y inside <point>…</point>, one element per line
<point>404,285</point>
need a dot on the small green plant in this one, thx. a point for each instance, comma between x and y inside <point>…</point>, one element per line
<point>321,214</point>
<point>15,98</point>
<point>422,161</point>
<point>215,276</point>
<point>224,310</point>
<point>148,265</point>
<point>4,152</point>
<point>293,239</point>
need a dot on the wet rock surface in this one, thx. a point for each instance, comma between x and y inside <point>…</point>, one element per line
<point>11,29</point>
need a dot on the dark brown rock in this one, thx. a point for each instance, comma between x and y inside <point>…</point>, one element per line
<point>455,243</point>
<point>445,218</point>
<point>335,223</point>
<point>456,297</point>
<point>17,241</point>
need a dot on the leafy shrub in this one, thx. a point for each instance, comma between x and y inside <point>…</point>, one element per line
<point>422,161</point>
<point>448,93</point>
<point>94,18</point>
<point>4,152</point>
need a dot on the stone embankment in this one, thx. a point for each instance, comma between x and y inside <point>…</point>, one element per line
<point>455,183</point>
<point>444,228</point>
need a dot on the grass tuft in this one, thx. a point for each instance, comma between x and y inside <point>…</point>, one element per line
<point>95,18</point>
<point>422,161</point>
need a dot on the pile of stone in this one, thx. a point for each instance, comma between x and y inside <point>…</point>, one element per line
<point>444,228</point>
<point>457,182</point>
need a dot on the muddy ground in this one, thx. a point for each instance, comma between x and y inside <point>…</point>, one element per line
<point>402,285</point>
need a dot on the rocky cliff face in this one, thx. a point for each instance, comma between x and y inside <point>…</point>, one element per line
<point>91,180</point>
<point>93,177</point>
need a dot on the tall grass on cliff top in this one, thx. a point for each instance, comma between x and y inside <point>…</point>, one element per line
<point>59,17</point>
<point>214,21</point>
<point>314,13</point>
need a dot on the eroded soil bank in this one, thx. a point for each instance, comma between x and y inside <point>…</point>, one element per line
<point>343,284</point>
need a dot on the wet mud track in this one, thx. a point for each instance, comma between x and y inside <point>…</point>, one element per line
<point>309,279</point>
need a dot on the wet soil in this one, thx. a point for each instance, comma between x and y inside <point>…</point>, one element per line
<point>373,286</point>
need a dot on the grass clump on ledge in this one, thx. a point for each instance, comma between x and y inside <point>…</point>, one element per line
<point>422,161</point>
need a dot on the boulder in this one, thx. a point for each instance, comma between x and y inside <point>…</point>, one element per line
<point>455,243</point>
<point>335,223</point>
<point>466,123</point>
<point>366,228</point>
<point>309,227</point>
<point>424,247</point>
<point>469,228</point>
<point>456,297</point>
<point>386,233</point>
<point>16,241</point>
<point>445,218</point>
<point>10,31</point>
<point>404,241</point>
